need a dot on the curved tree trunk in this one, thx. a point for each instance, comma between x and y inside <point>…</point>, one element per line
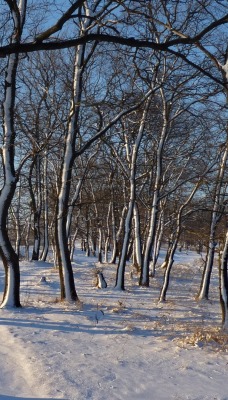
<point>35,194</point>
<point>68,290</point>
<point>11,296</point>
<point>168,268</point>
<point>216,216</point>
<point>223,284</point>
<point>172,249</point>
<point>157,243</point>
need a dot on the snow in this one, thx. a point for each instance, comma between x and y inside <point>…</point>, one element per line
<point>113,344</point>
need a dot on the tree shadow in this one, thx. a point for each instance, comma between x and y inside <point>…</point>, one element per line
<point>5,397</point>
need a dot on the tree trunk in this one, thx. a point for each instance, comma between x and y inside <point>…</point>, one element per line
<point>68,290</point>
<point>73,244</point>
<point>137,251</point>
<point>144,278</point>
<point>173,246</point>
<point>116,236</point>
<point>216,216</point>
<point>27,236</point>
<point>127,226</point>
<point>35,195</point>
<point>11,296</point>
<point>223,284</point>
<point>157,243</point>
<point>16,216</point>
<point>107,240</point>
<point>100,238</point>
<point>45,201</point>
<point>71,206</point>
<point>170,261</point>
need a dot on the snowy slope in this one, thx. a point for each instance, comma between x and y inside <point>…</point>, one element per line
<point>113,345</point>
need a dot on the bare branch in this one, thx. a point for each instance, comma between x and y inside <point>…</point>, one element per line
<point>38,44</point>
<point>59,24</point>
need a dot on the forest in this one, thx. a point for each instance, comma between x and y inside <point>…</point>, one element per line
<point>114,133</point>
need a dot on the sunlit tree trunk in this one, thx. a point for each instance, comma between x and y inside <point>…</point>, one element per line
<point>144,279</point>
<point>128,221</point>
<point>215,218</point>
<point>100,238</point>
<point>45,202</point>
<point>107,239</point>
<point>223,271</point>
<point>68,290</point>
<point>173,246</point>
<point>137,250</point>
<point>27,236</point>
<point>71,207</point>
<point>36,203</point>
<point>16,216</point>
<point>73,240</point>
<point>11,296</point>
<point>116,235</point>
<point>157,242</point>
<point>223,284</point>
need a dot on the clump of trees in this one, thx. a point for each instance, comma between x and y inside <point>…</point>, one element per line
<point>114,132</point>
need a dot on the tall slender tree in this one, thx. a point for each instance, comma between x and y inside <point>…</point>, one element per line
<point>10,258</point>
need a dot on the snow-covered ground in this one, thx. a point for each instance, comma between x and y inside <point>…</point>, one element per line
<point>113,345</point>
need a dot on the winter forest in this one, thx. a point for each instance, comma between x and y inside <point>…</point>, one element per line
<point>114,134</point>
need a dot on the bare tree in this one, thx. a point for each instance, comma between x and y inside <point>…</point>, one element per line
<point>10,258</point>
<point>216,215</point>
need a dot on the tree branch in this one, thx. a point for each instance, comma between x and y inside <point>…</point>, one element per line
<point>38,44</point>
<point>59,24</point>
<point>111,123</point>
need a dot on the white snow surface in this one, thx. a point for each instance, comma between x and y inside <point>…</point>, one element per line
<point>113,344</point>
